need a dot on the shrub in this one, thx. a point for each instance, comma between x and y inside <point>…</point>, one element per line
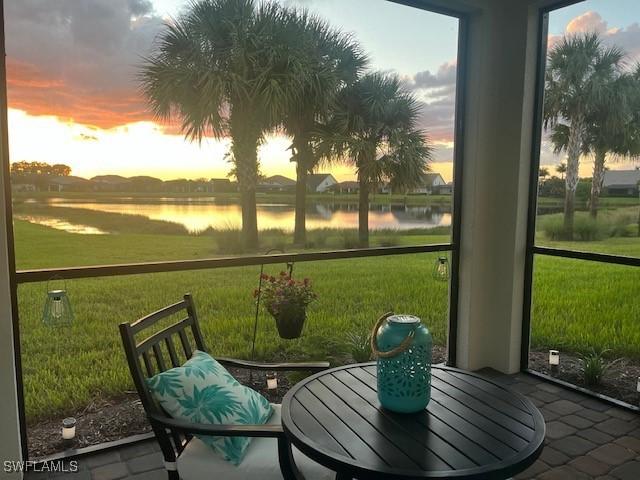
<point>553,228</point>
<point>359,346</point>
<point>318,238</point>
<point>595,366</point>
<point>552,187</point>
<point>586,229</point>
<point>229,240</point>
<point>391,239</point>
<point>350,239</point>
<point>274,239</point>
<point>624,224</point>
<point>583,190</point>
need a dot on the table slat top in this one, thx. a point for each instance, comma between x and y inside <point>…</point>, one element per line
<point>472,427</point>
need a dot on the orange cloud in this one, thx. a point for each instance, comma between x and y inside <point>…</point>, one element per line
<point>30,89</point>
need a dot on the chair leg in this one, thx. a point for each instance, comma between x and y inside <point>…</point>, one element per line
<point>287,463</point>
<point>173,475</point>
<point>168,452</point>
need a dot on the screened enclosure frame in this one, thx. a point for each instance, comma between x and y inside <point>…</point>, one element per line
<point>532,250</point>
<point>19,277</point>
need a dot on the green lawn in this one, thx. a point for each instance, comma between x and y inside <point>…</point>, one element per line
<point>64,369</point>
<point>577,305</point>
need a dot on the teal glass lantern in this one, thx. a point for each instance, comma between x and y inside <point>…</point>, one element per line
<point>403,345</point>
<point>57,309</point>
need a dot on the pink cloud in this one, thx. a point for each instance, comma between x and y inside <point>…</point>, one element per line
<point>587,22</point>
<point>628,38</point>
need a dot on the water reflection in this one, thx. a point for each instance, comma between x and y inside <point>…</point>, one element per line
<point>198,216</point>
<point>61,225</point>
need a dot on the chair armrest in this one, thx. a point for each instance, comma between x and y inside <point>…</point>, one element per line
<point>273,431</point>
<point>286,367</point>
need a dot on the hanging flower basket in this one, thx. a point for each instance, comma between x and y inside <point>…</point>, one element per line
<point>286,300</point>
<point>290,322</point>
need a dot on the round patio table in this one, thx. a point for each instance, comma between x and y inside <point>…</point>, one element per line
<point>472,427</point>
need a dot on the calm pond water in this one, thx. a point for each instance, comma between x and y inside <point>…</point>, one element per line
<point>198,215</point>
<point>61,225</point>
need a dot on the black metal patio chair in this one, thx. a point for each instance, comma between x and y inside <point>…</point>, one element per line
<point>269,456</point>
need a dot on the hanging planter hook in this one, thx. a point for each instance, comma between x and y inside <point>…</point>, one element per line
<point>259,294</point>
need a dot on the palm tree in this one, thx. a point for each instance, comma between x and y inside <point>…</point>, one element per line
<point>543,172</point>
<point>578,70</point>
<point>335,60</point>
<point>227,68</point>
<point>374,128</point>
<point>611,131</point>
<point>561,168</point>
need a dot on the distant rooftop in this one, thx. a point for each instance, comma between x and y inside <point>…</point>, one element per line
<point>621,178</point>
<point>279,180</point>
<point>315,179</point>
<point>430,179</point>
<point>113,179</point>
<point>69,180</point>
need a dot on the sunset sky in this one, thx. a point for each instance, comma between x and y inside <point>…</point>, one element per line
<point>73,96</point>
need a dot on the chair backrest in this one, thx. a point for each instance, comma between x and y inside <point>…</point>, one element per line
<point>162,350</point>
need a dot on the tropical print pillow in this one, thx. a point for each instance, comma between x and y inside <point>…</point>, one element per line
<point>203,391</point>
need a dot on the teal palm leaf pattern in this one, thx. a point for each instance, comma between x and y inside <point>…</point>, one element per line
<point>199,371</point>
<point>168,383</point>
<point>212,404</point>
<point>254,412</point>
<point>203,391</point>
<point>233,449</point>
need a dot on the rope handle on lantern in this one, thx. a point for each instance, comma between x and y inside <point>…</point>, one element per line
<point>404,345</point>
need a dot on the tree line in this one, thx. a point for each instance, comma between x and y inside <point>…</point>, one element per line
<point>591,108</point>
<point>240,70</point>
<point>40,168</point>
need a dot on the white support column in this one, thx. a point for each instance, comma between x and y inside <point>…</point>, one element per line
<point>501,70</point>
<point>10,446</point>
<point>9,427</point>
<point>9,430</point>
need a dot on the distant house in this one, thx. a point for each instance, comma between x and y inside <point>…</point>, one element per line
<point>222,185</point>
<point>384,188</point>
<point>68,184</point>
<point>444,189</point>
<point>320,182</point>
<point>145,184</point>
<point>111,183</point>
<point>23,182</point>
<point>200,185</point>
<point>346,187</point>
<point>621,183</point>
<point>277,183</point>
<point>181,185</point>
<point>430,183</point>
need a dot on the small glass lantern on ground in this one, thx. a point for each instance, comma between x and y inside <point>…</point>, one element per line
<point>272,381</point>
<point>554,360</point>
<point>68,429</point>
